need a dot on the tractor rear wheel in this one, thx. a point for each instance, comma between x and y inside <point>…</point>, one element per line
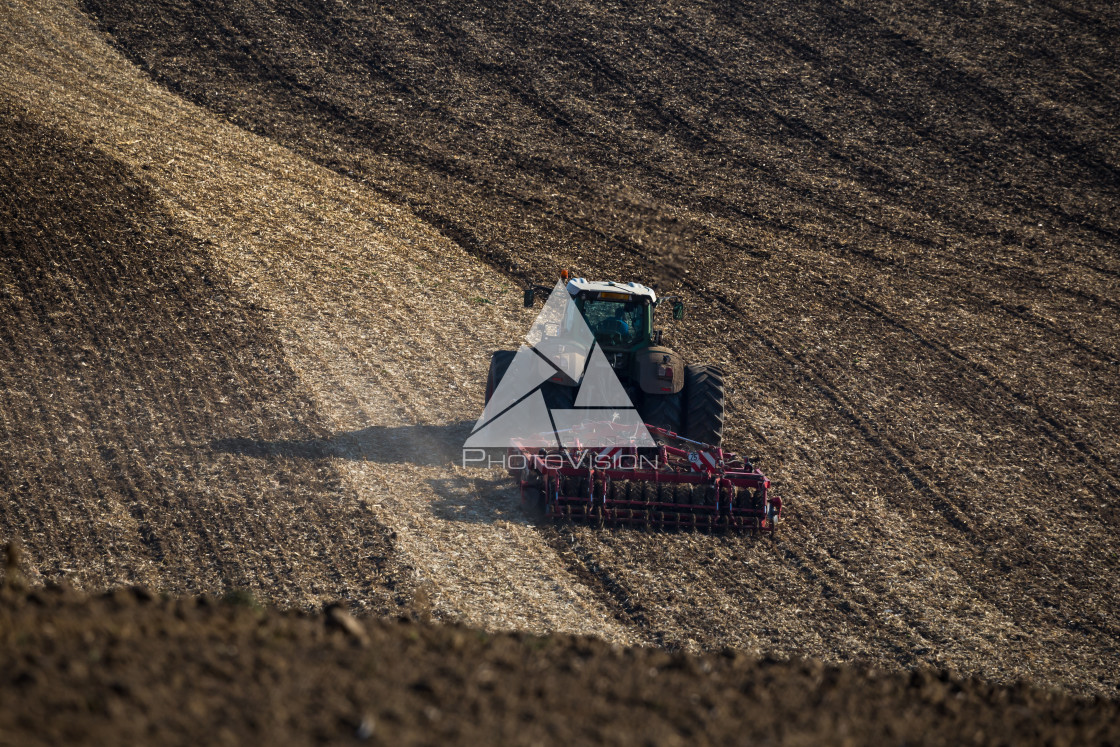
<point>499,364</point>
<point>704,404</point>
<point>662,411</point>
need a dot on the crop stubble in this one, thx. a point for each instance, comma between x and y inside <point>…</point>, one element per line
<point>125,349</point>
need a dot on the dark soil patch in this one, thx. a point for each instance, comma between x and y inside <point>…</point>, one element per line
<point>129,668</point>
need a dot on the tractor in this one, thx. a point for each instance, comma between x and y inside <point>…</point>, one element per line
<point>684,399</point>
<point>676,474</point>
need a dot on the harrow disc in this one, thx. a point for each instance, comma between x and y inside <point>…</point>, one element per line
<point>681,484</point>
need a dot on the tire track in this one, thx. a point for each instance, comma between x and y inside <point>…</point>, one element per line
<point>1052,429</point>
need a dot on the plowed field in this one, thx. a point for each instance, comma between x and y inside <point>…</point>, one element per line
<point>255,256</point>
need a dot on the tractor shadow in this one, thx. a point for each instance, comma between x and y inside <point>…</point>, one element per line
<point>420,445</point>
<point>480,498</point>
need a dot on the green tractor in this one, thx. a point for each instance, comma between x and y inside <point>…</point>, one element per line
<point>685,399</point>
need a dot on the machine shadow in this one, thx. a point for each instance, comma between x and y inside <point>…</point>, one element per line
<point>482,499</point>
<point>421,445</point>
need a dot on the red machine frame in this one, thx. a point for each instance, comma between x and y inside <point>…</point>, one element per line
<point>677,483</point>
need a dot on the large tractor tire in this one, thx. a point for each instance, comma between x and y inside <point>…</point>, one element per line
<point>704,404</point>
<point>499,364</point>
<point>662,411</point>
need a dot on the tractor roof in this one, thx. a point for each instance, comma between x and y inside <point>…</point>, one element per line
<point>576,285</point>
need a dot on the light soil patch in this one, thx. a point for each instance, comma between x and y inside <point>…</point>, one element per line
<point>387,323</point>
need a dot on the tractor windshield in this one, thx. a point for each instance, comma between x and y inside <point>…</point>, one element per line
<point>615,323</point>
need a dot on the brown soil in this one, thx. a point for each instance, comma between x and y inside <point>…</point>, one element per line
<point>896,230</point>
<point>125,668</point>
<point>125,350</point>
<point>346,286</point>
<point>247,309</point>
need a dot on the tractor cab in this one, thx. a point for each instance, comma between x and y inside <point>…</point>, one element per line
<point>619,315</point>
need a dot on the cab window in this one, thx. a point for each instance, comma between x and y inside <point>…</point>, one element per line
<point>614,323</point>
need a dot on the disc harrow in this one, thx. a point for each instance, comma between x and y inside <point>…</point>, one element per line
<point>679,483</point>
